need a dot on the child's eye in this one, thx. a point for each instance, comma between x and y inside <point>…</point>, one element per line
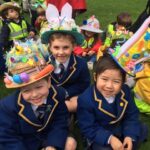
<point>66,47</point>
<point>118,82</point>
<point>38,87</point>
<point>104,79</point>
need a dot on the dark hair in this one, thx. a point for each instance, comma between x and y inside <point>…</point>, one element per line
<point>124,19</point>
<point>107,62</point>
<point>59,35</point>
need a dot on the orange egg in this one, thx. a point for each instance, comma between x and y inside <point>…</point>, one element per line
<point>7,81</point>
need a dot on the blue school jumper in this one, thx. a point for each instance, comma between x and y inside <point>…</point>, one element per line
<point>98,119</point>
<point>20,129</point>
<point>75,79</point>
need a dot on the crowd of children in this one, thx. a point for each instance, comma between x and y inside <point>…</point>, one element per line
<point>51,75</point>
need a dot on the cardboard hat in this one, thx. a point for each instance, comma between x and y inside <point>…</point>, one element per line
<point>131,55</point>
<point>92,25</point>
<point>62,24</point>
<point>26,64</point>
<point>9,5</point>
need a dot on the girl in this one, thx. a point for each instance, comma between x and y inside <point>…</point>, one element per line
<point>106,111</point>
<point>92,42</point>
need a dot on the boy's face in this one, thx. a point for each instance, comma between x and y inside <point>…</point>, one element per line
<point>12,14</point>
<point>61,49</point>
<point>89,34</point>
<point>109,82</point>
<point>37,92</point>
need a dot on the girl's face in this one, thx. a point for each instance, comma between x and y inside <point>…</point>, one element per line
<point>89,34</point>
<point>61,49</point>
<point>12,14</point>
<point>37,92</point>
<point>109,82</point>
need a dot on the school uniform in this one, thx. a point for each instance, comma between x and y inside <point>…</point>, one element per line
<point>76,77</point>
<point>20,129</point>
<point>98,119</point>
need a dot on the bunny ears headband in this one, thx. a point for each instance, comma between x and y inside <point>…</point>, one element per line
<point>134,51</point>
<point>63,23</point>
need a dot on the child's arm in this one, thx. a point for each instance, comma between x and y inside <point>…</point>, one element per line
<point>127,143</point>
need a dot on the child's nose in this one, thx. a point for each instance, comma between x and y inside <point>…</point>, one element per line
<point>109,84</point>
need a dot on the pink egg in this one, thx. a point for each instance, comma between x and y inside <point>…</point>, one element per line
<point>7,81</point>
<point>24,77</point>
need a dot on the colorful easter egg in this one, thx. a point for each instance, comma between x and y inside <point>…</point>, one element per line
<point>24,77</point>
<point>7,81</point>
<point>17,79</point>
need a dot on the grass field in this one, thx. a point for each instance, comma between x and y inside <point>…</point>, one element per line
<point>106,11</point>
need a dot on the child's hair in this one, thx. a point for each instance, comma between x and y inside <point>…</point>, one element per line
<point>124,19</point>
<point>5,12</point>
<point>106,62</point>
<point>59,35</point>
<point>40,11</point>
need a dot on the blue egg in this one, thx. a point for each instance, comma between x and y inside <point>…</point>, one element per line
<point>17,79</point>
<point>135,56</point>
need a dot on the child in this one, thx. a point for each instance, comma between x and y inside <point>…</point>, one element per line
<point>119,29</point>
<point>70,72</point>
<point>91,31</point>
<point>106,111</point>
<point>15,27</point>
<point>35,116</point>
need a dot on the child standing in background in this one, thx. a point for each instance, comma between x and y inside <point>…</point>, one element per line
<point>14,27</point>
<point>91,31</point>
<point>119,29</point>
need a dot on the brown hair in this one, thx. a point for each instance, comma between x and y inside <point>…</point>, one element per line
<point>124,19</point>
<point>107,62</point>
<point>60,35</point>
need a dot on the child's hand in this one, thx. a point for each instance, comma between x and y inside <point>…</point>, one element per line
<point>90,53</point>
<point>115,143</point>
<point>84,54</point>
<point>50,148</point>
<point>127,143</point>
<point>31,34</point>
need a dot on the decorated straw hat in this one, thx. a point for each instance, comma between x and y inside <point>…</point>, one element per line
<point>131,55</point>
<point>92,25</point>
<point>62,24</point>
<point>26,64</point>
<point>9,5</point>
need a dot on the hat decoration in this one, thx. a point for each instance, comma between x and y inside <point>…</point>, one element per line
<point>134,51</point>
<point>37,3</point>
<point>92,25</point>
<point>63,23</point>
<point>26,64</point>
<point>8,5</point>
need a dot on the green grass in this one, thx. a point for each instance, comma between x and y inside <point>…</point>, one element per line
<point>106,12</point>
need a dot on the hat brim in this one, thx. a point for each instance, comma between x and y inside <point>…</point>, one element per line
<point>79,38</point>
<point>86,28</point>
<point>33,78</point>
<point>8,6</point>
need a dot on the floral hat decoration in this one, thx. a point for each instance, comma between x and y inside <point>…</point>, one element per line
<point>131,55</point>
<point>8,5</point>
<point>63,23</point>
<point>92,25</point>
<point>26,64</point>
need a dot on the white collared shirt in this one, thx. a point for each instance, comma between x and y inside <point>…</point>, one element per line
<point>34,107</point>
<point>57,69</point>
<point>110,99</point>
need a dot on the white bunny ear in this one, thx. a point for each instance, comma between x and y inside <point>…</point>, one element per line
<point>51,12</point>
<point>66,11</point>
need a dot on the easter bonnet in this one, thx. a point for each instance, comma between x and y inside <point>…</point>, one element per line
<point>26,64</point>
<point>131,55</point>
<point>62,24</point>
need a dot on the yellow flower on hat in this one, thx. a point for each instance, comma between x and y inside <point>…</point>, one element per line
<point>19,50</point>
<point>31,62</point>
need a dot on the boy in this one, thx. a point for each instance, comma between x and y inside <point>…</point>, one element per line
<point>35,116</point>
<point>71,72</point>
<point>14,27</point>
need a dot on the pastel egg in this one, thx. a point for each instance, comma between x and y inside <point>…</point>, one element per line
<point>24,77</point>
<point>7,81</point>
<point>17,79</point>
